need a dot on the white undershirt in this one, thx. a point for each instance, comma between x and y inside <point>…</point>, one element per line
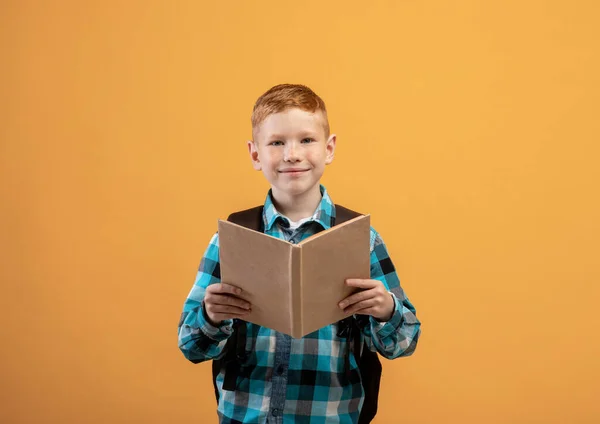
<point>295,224</point>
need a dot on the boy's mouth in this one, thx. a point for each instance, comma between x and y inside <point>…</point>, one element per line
<point>292,171</point>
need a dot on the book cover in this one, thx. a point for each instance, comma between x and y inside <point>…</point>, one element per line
<point>295,288</point>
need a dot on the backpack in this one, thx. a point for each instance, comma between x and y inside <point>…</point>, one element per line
<point>235,348</point>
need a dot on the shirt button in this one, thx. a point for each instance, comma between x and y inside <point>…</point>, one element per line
<point>280,370</point>
<point>275,412</point>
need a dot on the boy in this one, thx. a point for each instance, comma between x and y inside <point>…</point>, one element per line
<point>295,380</point>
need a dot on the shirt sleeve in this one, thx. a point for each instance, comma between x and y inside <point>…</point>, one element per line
<point>198,339</point>
<point>398,336</point>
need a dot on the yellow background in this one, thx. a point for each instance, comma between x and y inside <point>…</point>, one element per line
<point>468,129</point>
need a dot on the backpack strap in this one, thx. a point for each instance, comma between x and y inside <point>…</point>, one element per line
<point>370,368</point>
<point>253,218</point>
<point>348,327</point>
<point>343,214</point>
<point>235,347</point>
<point>249,218</point>
<point>237,355</point>
<point>367,361</point>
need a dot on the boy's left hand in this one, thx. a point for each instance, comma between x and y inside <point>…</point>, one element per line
<point>373,300</point>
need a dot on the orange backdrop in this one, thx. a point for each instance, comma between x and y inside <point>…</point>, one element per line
<point>469,130</point>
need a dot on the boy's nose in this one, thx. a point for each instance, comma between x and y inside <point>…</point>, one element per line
<point>291,153</point>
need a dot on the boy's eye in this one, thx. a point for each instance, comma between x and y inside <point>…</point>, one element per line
<point>276,143</point>
<point>307,140</point>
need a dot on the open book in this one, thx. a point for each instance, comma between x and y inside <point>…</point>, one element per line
<point>295,288</point>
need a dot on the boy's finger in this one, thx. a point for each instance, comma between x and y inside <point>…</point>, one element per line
<point>360,307</point>
<point>226,288</point>
<point>220,299</point>
<point>228,309</point>
<point>361,283</point>
<point>223,317</point>
<point>357,297</point>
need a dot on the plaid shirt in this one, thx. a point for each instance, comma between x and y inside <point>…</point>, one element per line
<point>296,380</point>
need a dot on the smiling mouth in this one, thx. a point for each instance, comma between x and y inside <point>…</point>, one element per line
<point>293,171</point>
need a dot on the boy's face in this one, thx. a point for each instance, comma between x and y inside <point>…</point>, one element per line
<point>292,149</point>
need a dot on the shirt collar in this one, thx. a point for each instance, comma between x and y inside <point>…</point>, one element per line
<point>324,213</point>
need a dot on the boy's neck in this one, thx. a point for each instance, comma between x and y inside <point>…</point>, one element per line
<point>297,207</point>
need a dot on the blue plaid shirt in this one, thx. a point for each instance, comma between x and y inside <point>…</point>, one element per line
<point>296,380</point>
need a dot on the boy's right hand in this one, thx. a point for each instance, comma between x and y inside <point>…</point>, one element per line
<point>221,302</point>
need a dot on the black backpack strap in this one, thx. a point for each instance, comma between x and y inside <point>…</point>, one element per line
<point>235,355</point>
<point>370,368</point>
<point>367,361</point>
<point>216,368</point>
<point>249,218</point>
<point>343,214</point>
<point>253,218</point>
<point>235,347</point>
<point>346,326</point>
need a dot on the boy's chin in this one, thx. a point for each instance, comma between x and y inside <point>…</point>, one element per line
<point>295,189</point>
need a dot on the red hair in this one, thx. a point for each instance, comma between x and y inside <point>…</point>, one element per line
<point>285,96</point>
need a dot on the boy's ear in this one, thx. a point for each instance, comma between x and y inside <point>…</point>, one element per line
<point>330,148</point>
<point>252,150</point>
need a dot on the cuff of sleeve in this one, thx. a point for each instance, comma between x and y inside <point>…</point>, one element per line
<point>219,333</point>
<point>385,328</point>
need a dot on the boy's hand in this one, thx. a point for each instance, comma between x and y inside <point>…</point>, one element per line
<point>373,300</point>
<point>221,302</point>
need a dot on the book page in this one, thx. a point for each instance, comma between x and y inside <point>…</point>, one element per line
<point>328,259</point>
<point>261,266</point>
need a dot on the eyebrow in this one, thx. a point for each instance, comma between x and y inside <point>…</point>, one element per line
<point>303,134</point>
